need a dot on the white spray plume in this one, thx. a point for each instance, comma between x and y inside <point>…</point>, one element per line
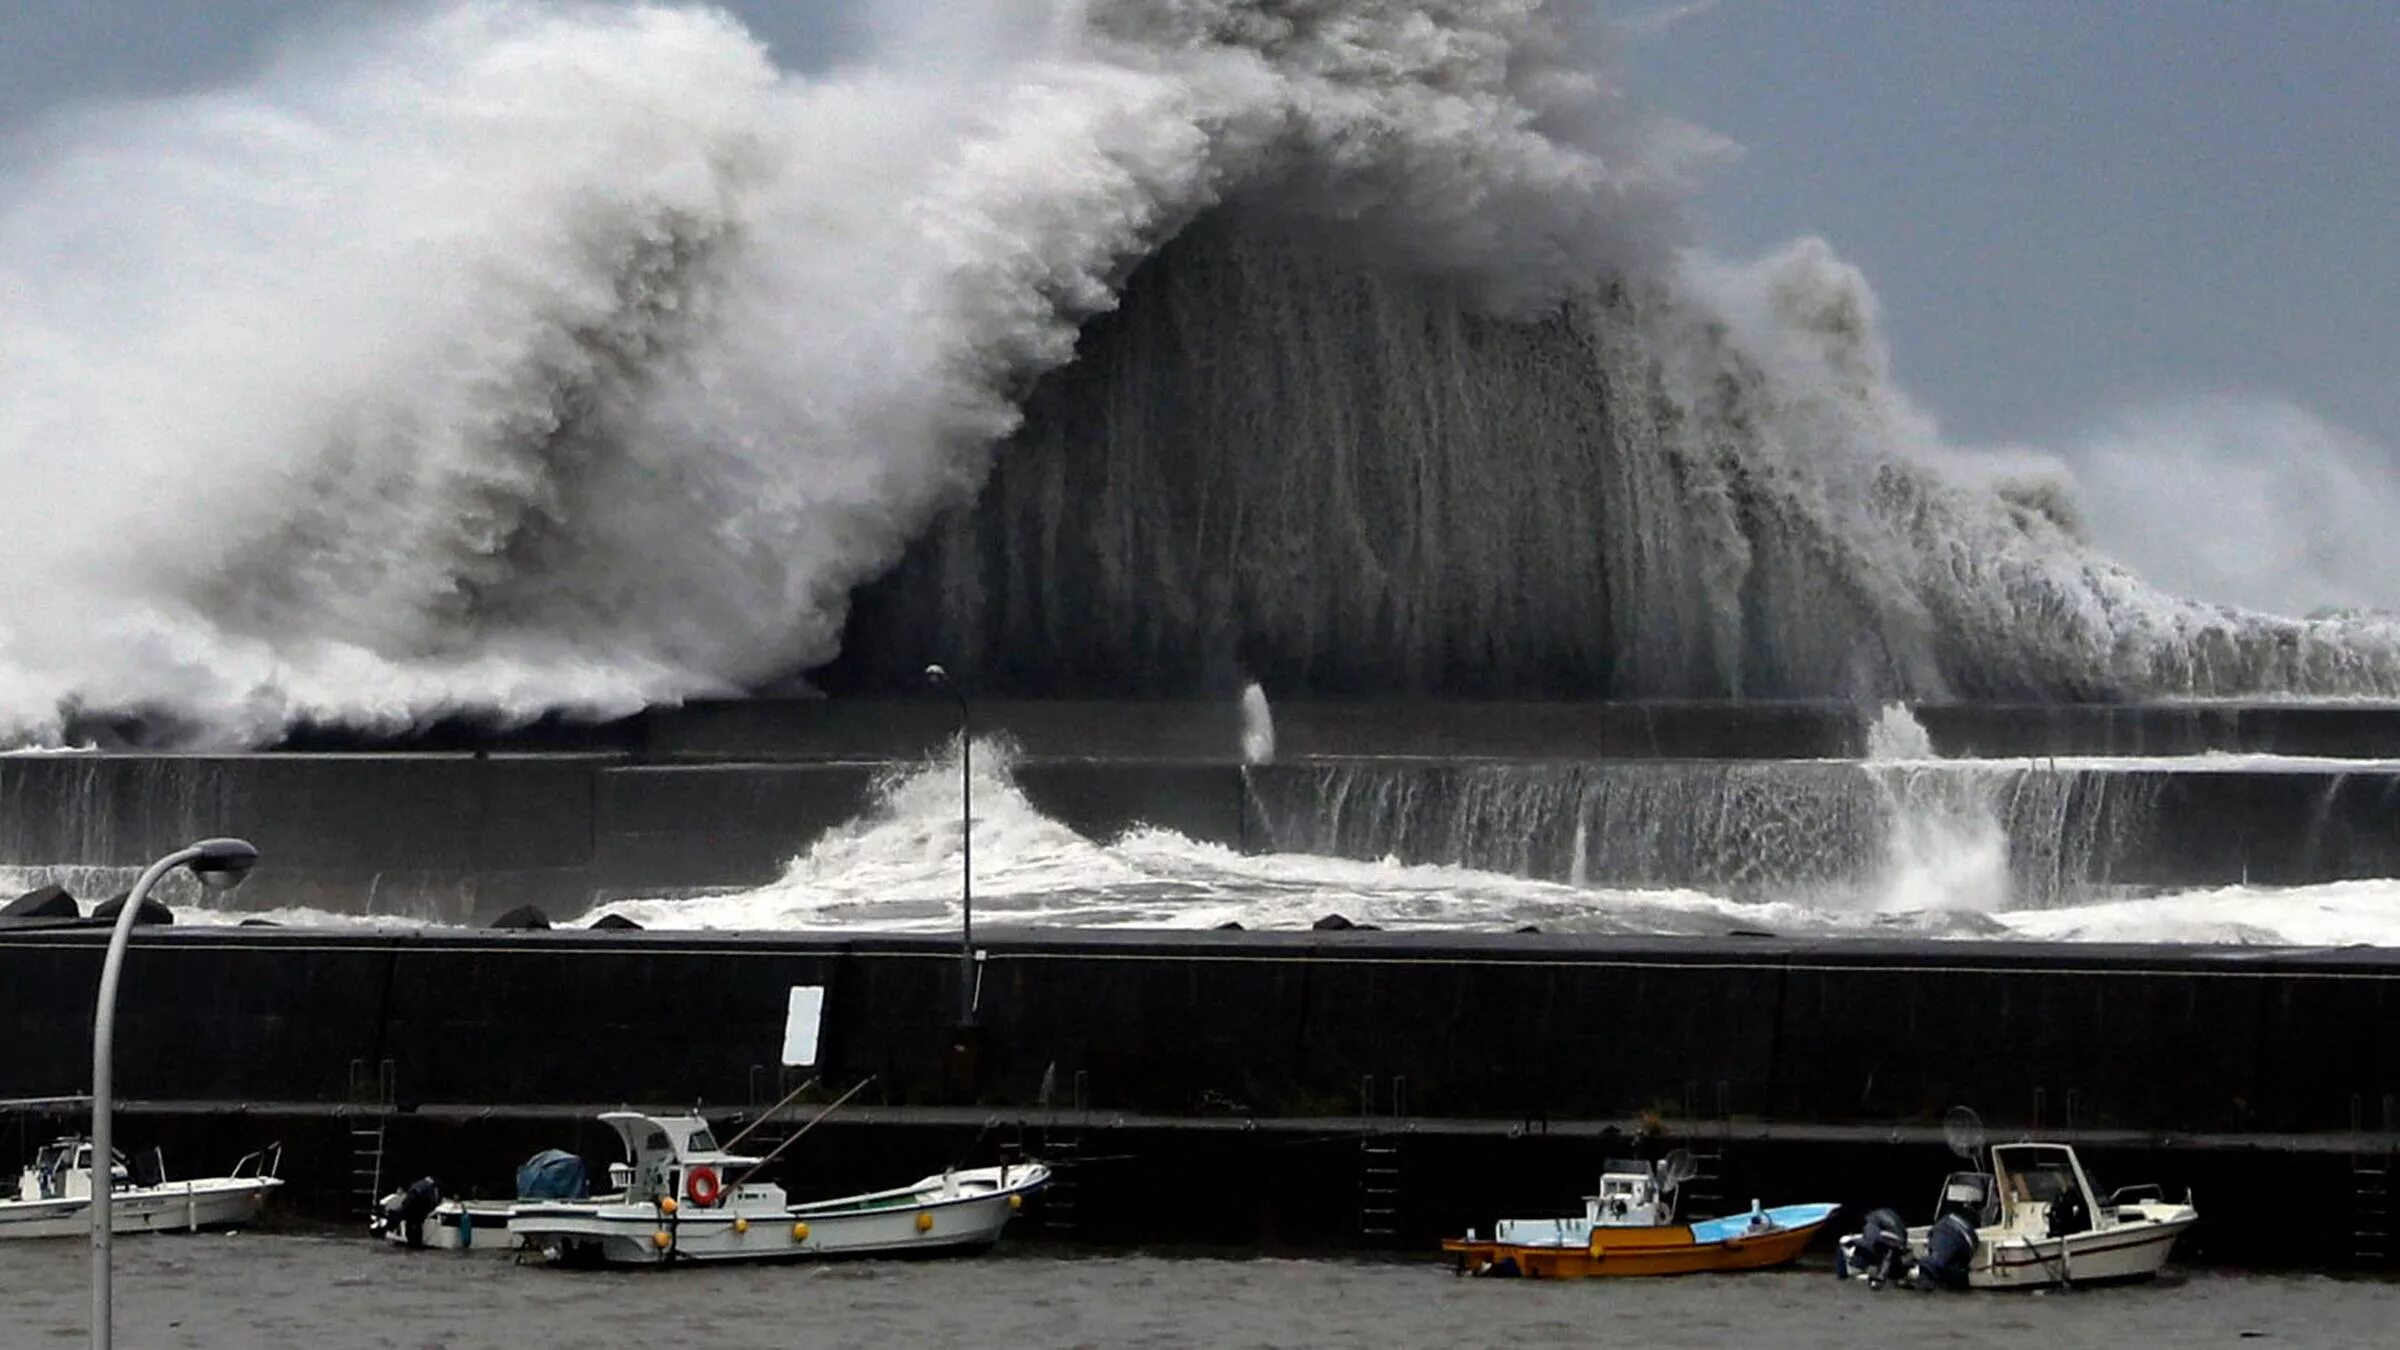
<point>513,358</point>
<point>1984,556</point>
<point>2246,501</point>
<point>1258,726</point>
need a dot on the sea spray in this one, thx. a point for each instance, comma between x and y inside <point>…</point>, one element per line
<point>503,359</point>
<point>1258,727</point>
<point>1944,847</point>
<point>511,358</point>
<point>1896,734</point>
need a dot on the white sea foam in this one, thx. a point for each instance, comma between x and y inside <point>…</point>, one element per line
<point>897,869</point>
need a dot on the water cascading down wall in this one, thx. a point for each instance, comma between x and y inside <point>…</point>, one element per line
<point>1282,459</point>
<point>1271,461</point>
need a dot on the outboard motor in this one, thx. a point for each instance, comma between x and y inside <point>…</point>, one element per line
<point>1949,1247</point>
<point>410,1206</point>
<point>1879,1251</point>
<point>2068,1216</point>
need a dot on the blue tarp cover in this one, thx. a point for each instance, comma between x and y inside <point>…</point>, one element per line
<point>552,1174</point>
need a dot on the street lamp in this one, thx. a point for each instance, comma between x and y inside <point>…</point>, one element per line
<point>220,864</point>
<point>940,679</point>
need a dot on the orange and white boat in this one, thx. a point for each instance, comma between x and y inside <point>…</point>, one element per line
<point>1629,1228</point>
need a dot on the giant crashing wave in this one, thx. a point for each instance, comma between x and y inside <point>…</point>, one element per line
<point>1273,462</point>
<point>504,360</point>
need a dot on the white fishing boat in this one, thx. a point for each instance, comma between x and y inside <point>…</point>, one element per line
<point>2033,1220</point>
<point>686,1199</point>
<point>54,1194</point>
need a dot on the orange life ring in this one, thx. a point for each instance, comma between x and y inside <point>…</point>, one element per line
<point>702,1186</point>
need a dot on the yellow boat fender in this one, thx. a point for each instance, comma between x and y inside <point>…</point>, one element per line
<point>799,1232</point>
<point>924,1222</point>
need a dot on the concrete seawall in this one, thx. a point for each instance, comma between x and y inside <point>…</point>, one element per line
<point>1522,1028</point>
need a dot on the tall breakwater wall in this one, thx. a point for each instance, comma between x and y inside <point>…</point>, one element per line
<point>460,838</point>
<point>2208,1067</point>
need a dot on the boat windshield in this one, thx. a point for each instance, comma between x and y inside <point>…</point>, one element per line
<point>701,1142</point>
<point>2037,1175</point>
<point>2046,1182</point>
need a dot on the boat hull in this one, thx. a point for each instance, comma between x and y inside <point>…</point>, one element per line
<point>940,1217</point>
<point>2123,1253</point>
<point>469,1226</point>
<point>1614,1252</point>
<point>177,1207</point>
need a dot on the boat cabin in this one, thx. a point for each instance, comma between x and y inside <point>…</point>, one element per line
<point>664,1152</point>
<point>1629,1197</point>
<point>62,1170</point>
<point>2036,1189</point>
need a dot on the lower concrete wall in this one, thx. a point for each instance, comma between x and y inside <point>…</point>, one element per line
<point>1265,1025</point>
<point>1124,1181</point>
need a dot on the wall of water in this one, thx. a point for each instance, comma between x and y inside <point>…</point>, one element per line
<point>1832,833</point>
<point>1277,460</point>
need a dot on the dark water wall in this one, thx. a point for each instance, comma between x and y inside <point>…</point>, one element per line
<point>1270,462</point>
<point>1275,461</point>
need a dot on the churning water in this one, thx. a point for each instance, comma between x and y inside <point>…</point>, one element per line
<point>1972,849</point>
<point>256,1291</point>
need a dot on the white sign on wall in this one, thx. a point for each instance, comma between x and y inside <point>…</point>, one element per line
<point>802,1019</point>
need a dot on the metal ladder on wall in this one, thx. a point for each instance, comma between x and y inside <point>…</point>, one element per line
<point>2370,1185</point>
<point>1704,1194</point>
<point>769,1084</point>
<point>1379,1171</point>
<point>370,1098</point>
<point>1061,1148</point>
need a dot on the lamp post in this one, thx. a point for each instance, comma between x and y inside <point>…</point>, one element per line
<point>220,864</point>
<point>940,679</point>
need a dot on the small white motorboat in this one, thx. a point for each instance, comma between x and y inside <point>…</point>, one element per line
<point>54,1195</point>
<point>418,1215</point>
<point>686,1199</point>
<point>2032,1221</point>
<point>414,1216</point>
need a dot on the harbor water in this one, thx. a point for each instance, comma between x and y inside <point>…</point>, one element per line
<point>258,1291</point>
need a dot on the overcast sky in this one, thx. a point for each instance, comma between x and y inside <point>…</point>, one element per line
<point>2072,204</point>
<point>2071,208</point>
